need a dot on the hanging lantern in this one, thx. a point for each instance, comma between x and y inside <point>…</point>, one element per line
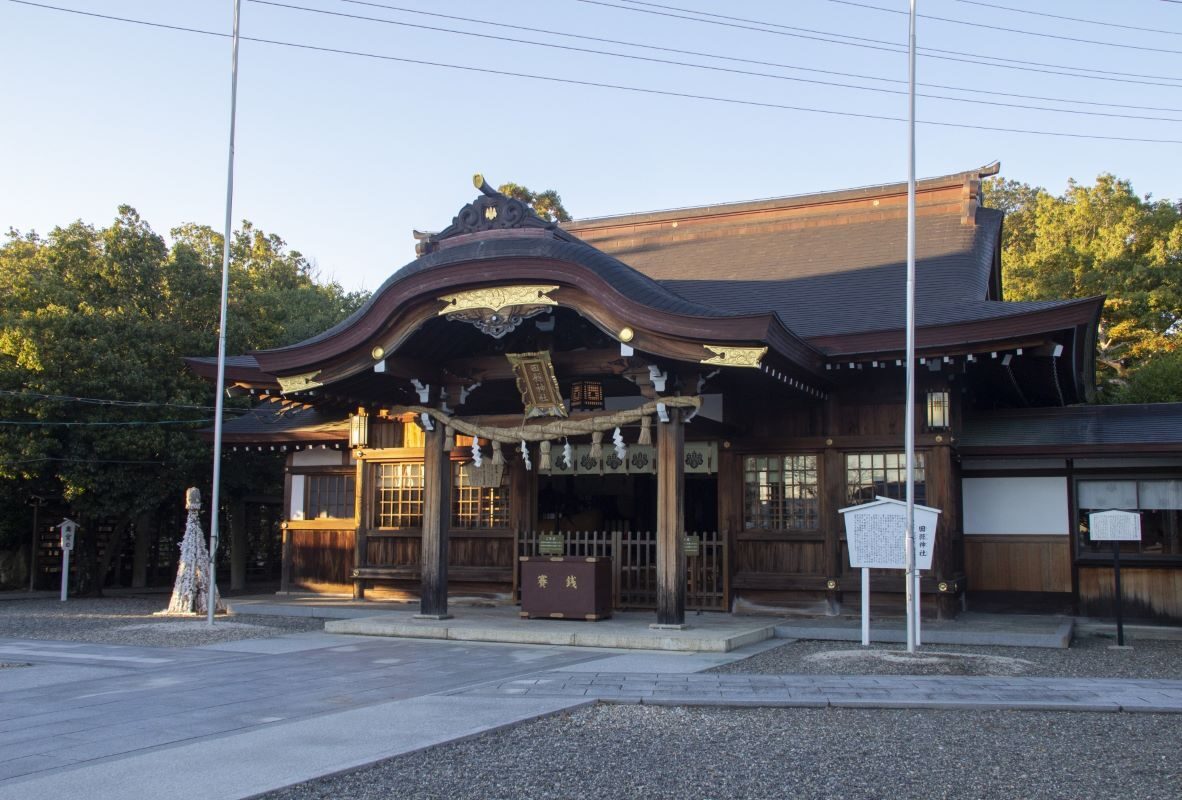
<point>939,408</point>
<point>359,429</point>
<point>586,395</point>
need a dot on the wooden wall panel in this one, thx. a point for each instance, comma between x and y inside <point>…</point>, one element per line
<point>780,557</point>
<point>1018,563</point>
<point>482,551</point>
<point>393,551</point>
<point>1147,592</point>
<point>322,558</point>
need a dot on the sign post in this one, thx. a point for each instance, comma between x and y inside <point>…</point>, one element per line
<point>68,528</point>
<point>877,537</point>
<point>1116,527</point>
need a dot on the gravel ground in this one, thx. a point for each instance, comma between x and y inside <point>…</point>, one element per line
<point>1090,657</point>
<point>130,620</point>
<point>654,753</point>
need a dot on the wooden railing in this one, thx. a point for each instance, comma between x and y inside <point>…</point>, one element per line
<point>634,565</point>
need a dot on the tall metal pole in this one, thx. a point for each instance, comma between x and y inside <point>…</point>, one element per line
<point>909,422</point>
<point>215,503</point>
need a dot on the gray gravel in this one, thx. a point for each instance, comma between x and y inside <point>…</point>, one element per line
<point>655,753</point>
<point>1090,657</point>
<point>130,620</point>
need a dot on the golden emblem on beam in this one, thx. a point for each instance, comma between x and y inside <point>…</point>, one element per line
<point>727,356</point>
<point>298,383</point>
<point>538,384</point>
<point>498,309</point>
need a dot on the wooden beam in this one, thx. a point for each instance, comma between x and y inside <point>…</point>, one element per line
<point>671,520</point>
<point>577,362</point>
<point>436,521</point>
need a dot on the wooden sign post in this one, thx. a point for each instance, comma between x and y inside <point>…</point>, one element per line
<point>1115,527</point>
<point>876,534</point>
<point>68,528</point>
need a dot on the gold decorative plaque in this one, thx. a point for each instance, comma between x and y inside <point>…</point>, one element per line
<point>538,384</point>
<point>727,356</point>
<point>497,298</point>
<point>298,383</point>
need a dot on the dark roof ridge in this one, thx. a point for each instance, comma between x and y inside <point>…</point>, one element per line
<point>787,201</point>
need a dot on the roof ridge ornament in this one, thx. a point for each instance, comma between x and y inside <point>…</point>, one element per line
<point>491,211</point>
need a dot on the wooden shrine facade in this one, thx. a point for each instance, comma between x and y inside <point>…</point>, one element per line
<point>720,380</point>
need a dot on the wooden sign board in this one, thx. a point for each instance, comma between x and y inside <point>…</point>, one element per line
<point>1114,526</point>
<point>876,534</point>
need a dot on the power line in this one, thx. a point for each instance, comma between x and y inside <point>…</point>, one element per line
<point>135,422</point>
<point>99,401</point>
<point>728,70</point>
<point>778,65</point>
<point>1070,19</point>
<point>602,85</point>
<point>1010,30</point>
<point>80,461</point>
<point>891,47</point>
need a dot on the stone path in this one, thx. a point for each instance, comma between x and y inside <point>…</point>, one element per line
<point>1046,694</point>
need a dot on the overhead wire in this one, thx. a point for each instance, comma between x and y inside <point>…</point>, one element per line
<point>729,70</point>
<point>102,401</point>
<point>1103,23</point>
<point>605,85</point>
<point>887,46</point>
<point>736,59</point>
<point>950,20</point>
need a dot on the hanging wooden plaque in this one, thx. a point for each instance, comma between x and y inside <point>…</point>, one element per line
<point>538,384</point>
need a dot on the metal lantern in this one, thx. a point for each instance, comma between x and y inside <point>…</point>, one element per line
<point>939,415</point>
<point>586,395</point>
<point>359,429</point>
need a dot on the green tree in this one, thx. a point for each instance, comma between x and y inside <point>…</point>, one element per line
<point>1106,240</point>
<point>108,313</point>
<point>547,205</point>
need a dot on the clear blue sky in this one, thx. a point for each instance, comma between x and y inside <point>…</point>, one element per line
<point>343,155</point>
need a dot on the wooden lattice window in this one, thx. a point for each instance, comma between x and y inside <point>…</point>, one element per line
<point>478,506</point>
<point>329,496</point>
<point>398,495</point>
<point>780,492</point>
<point>870,475</point>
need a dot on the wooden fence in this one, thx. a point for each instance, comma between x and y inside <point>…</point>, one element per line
<point>634,565</point>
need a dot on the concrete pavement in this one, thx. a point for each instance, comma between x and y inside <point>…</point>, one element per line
<point>233,720</point>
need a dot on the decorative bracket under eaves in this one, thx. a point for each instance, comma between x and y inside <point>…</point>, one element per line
<point>298,383</point>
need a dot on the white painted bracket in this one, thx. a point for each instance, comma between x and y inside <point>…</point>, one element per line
<point>424,391</point>
<point>662,412</point>
<point>657,377</point>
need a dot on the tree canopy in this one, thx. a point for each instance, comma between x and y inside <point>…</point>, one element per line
<point>96,407</point>
<point>1106,240</point>
<point>547,205</point>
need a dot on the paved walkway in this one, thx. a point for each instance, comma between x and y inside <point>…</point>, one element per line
<point>856,691</point>
<point>234,720</point>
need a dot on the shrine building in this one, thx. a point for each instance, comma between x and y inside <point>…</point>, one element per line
<point>694,395</point>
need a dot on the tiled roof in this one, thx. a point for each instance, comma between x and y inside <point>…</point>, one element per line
<point>1156,426</point>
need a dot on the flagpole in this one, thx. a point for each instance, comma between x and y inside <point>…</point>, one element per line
<point>909,419</point>
<point>215,503</point>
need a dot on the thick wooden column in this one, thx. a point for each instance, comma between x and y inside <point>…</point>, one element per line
<point>362,517</point>
<point>436,521</point>
<point>671,520</point>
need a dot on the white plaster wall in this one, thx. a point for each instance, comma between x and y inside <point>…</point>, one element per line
<point>296,509</point>
<point>1015,505</point>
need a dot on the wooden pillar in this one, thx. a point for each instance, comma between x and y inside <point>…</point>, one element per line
<point>948,558</point>
<point>671,520</point>
<point>362,517</point>
<point>436,521</point>
<point>831,473</point>
<point>238,545</point>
